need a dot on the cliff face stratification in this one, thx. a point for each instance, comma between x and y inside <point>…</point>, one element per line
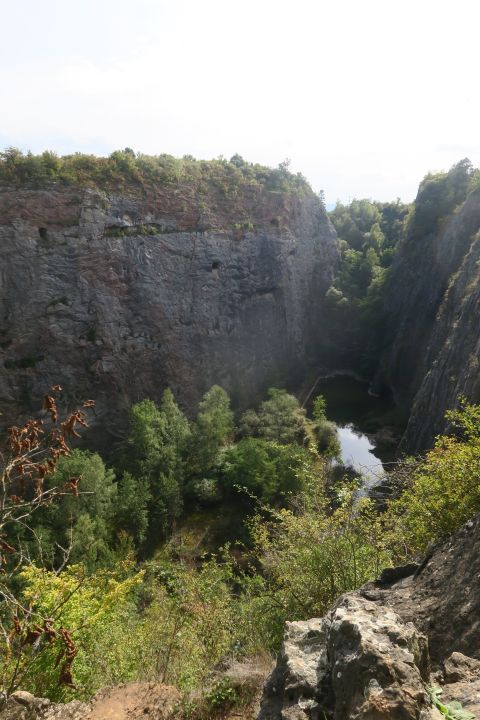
<point>116,296</point>
<point>432,347</point>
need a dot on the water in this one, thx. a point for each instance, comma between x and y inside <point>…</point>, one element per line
<point>358,452</point>
<point>359,417</point>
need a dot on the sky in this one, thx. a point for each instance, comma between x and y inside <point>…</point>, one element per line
<point>363,96</point>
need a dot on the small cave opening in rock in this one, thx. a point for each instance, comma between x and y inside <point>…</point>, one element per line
<point>43,233</point>
<point>216,265</point>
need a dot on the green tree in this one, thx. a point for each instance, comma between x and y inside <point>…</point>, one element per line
<point>212,429</point>
<point>84,521</point>
<point>155,456</point>
<point>249,424</point>
<point>280,418</point>
<point>328,443</point>
<point>437,197</point>
<point>131,508</point>
<point>319,411</point>
<point>267,470</point>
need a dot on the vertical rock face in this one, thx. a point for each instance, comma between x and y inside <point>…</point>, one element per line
<point>432,349</point>
<point>118,296</point>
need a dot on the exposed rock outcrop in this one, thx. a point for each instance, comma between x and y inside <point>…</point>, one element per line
<point>370,657</point>
<point>443,597</point>
<point>25,706</point>
<point>360,661</point>
<point>118,296</point>
<point>432,347</point>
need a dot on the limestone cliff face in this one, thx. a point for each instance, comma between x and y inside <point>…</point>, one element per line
<point>118,296</point>
<point>432,349</point>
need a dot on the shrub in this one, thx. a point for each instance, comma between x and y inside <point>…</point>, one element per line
<point>125,168</point>
<point>266,470</point>
<point>443,490</point>
<point>312,556</point>
<point>328,443</point>
<point>85,613</point>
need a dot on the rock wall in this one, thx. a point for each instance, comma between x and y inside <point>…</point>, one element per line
<point>376,653</point>
<point>117,296</point>
<point>432,345</point>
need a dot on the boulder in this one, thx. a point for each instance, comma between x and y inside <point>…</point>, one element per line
<point>360,661</point>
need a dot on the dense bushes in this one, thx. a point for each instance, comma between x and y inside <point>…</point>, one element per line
<point>311,557</point>
<point>264,469</point>
<point>91,609</point>
<point>124,168</point>
<point>442,490</point>
<point>180,613</point>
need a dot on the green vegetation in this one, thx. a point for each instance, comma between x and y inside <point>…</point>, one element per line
<point>279,419</point>
<point>438,196</point>
<point>110,587</point>
<point>84,523</point>
<point>369,233</point>
<point>443,490</point>
<point>124,168</point>
<point>452,711</point>
<point>265,469</point>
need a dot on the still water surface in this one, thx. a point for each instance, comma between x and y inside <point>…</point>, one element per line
<point>358,416</point>
<point>359,453</point>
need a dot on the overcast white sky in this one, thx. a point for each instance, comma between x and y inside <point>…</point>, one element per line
<point>364,96</point>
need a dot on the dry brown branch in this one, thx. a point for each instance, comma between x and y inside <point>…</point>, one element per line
<point>28,457</point>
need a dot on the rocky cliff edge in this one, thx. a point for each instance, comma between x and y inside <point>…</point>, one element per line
<point>380,651</point>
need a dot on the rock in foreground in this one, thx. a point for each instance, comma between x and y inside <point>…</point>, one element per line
<point>360,661</point>
<point>369,658</point>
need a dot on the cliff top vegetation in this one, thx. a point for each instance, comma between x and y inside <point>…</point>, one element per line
<point>125,168</point>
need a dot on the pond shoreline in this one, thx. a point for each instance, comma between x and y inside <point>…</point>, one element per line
<point>368,424</point>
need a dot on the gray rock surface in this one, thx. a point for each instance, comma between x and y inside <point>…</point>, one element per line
<point>25,706</point>
<point>432,346</point>
<point>461,676</point>
<point>443,597</point>
<point>116,297</point>
<point>360,661</point>
<point>370,656</point>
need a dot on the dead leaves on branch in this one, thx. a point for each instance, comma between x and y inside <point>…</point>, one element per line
<point>31,454</point>
<point>33,635</point>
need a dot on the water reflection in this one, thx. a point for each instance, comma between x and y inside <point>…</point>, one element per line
<point>358,416</point>
<point>358,452</point>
